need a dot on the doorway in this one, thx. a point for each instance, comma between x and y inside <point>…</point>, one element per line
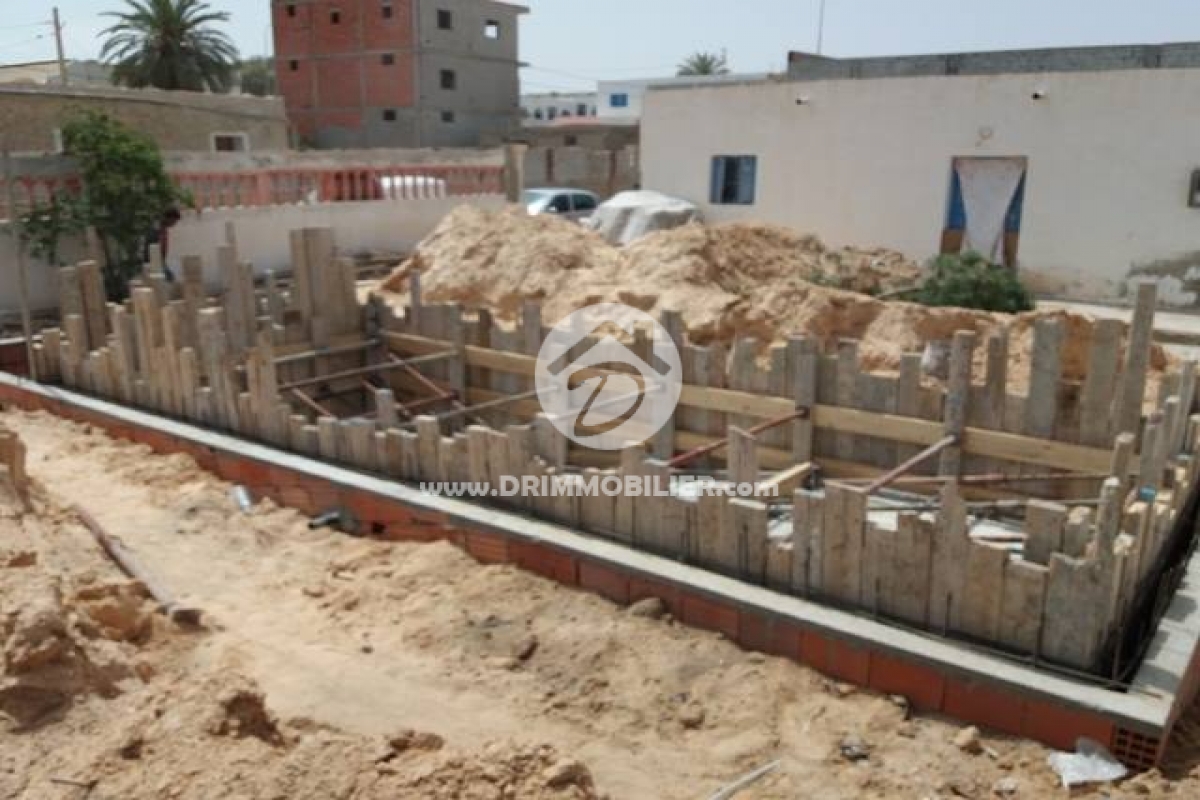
<point>986,205</point>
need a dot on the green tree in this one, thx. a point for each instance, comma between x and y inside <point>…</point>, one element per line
<point>257,76</point>
<point>703,63</point>
<point>170,44</point>
<point>125,193</point>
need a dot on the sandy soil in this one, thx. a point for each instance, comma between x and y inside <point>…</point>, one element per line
<point>331,667</point>
<point>728,281</point>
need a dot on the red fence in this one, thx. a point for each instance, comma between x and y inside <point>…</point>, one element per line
<point>282,186</point>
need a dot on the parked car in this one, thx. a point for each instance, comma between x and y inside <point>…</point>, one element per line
<point>575,204</point>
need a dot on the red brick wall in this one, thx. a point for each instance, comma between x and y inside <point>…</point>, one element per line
<point>971,699</point>
<point>339,66</point>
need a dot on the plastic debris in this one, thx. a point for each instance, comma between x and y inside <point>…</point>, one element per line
<point>241,496</point>
<point>1090,763</point>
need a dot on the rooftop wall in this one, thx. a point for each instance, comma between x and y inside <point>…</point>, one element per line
<point>186,121</point>
<point>804,66</point>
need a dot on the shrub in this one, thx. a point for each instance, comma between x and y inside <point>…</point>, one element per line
<point>971,281</point>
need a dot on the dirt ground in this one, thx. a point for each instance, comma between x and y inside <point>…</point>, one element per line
<point>329,667</point>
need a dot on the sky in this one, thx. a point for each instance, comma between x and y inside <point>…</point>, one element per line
<point>569,44</point>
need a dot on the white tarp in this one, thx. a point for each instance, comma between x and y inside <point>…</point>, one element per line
<point>629,216</point>
<point>988,187</point>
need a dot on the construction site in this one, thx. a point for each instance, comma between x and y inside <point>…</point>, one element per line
<point>972,544</point>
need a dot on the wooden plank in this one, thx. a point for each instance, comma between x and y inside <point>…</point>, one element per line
<point>749,520</point>
<point>663,443</point>
<point>947,585</point>
<point>1045,375</point>
<point>905,580</point>
<point>1022,607</point>
<point>1128,407</point>
<point>958,393</point>
<point>806,542</point>
<point>846,393</point>
<point>993,444</point>
<point>743,457</point>
<point>1100,383</point>
<point>712,543</point>
<point>802,358</point>
<point>908,397</point>
<point>842,543</point>
<point>984,591</point>
<point>1045,524</point>
<point>94,302</point>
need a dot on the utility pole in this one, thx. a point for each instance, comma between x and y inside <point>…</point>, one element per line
<point>821,29</point>
<point>58,42</point>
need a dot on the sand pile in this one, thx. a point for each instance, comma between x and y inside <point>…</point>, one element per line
<point>499,258</point>
<point>729,281</point>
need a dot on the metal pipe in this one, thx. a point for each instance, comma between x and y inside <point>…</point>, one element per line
<point>920,458</point>
<point>309,355</point>
<point>371,369</point>
<point>703,450</point>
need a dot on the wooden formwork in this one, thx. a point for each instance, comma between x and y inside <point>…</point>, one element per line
<point>435,394</point>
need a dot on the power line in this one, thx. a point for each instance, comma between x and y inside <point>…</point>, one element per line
<point>25,25</point>
<point>26,41</point>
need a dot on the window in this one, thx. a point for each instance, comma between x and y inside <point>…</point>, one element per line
<point>291,9</point>
<point>566,112</point>
<point>538,114</point>
<point>56,139</point>
<point>570,140</point>
<point>581,110</point>
<point>733,179</point>
<point>619,100</point>
<point>561,204</point>
<point>1194,190</point>
<point>445,20</point>
<point>387,59</point>
<point>389,115</point>
<point>448,117</point>
<point>584,202</point>
<point>294,65</point>
<point>491,29</point>
<point>387,10</point>
<point>449,79</point>
<point>230,142</point>
<point>335,17</point>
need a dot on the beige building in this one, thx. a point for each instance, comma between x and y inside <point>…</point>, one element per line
<point>32,117</point>
<point>1080,167</point>
<point>49,73</point>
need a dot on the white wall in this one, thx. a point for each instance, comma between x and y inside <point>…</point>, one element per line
<point>869,162</point>
<point>262,235</point>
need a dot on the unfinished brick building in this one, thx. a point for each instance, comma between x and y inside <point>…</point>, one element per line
<point>398,73</point>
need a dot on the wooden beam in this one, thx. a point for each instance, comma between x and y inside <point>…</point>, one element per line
<point>785,483</point>
<point>908,430</point>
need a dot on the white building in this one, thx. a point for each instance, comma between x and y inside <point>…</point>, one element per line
<point>1080,166</point>
<point>613,101</point>
<point>546,107</point>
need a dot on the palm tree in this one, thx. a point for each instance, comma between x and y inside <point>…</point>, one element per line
<point>703,63</point>
<point>170,44</point>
